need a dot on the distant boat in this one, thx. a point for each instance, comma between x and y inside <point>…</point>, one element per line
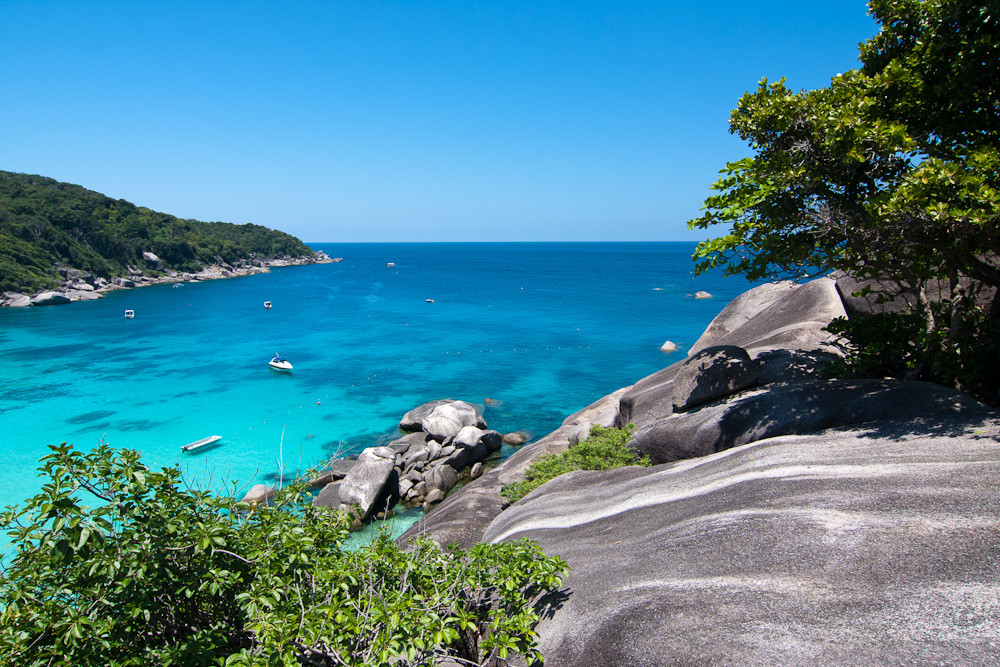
<point>201,444</point>
<point>267,305</point>
<point>390,264</point>
<point>129,314</point>
<point>178,284</point>
<point>429,300</point>
<point>279,363</point>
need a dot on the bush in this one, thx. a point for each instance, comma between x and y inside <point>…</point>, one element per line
<point>606,448</point>
<point>156,574</point>
<point>958,352</point>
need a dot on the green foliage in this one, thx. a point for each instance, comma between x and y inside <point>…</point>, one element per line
<point>891,171</point>
<point>45,224</point>
<point>606,448</point>
<point>155,574</point>
<point>900,345</point>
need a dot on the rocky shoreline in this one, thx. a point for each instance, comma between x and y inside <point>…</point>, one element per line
<point>789,518</point>
<point>76,285</point>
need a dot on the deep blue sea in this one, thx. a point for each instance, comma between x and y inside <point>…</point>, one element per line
<point>544,329</point>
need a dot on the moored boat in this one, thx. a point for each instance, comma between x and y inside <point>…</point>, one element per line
<point>279,363</point>
<point>201,444</point>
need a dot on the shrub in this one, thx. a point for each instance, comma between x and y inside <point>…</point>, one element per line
<point>156,574</point>
<point>606,448</point>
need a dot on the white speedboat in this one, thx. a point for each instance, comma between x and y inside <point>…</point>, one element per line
<point>201,444</point>
<point>279,363</point>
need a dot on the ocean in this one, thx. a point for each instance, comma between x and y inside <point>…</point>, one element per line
<point>541,329</point>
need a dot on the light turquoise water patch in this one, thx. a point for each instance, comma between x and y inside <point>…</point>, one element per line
<point>544,328</point>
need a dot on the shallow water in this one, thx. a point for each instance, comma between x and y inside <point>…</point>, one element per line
<point>543,328</point>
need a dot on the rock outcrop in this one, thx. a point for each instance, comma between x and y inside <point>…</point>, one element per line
<point>419,468</point>
<point>791,520</point>
<point>875,545</point>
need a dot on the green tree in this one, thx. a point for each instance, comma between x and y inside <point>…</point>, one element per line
<point>152,573</point>
<point>893,170</point>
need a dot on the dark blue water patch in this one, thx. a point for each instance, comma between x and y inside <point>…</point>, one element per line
<point>97,430</point>
<point>90,416</point>
<point>185,394</point>
<point>139,424</point>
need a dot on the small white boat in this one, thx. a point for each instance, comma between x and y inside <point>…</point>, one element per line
<point>429,300</point>
<point>279,363</point>
<point>267,305</point>
<point>390,264</point>
<point>201,444</point>
<point>129,314</point>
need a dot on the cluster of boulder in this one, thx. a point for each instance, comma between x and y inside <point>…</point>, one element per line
<point>791,518</point>
<point>445,441</point>
<point>76,285</point>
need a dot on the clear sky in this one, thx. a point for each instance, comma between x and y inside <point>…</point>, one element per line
<point>405,120</point>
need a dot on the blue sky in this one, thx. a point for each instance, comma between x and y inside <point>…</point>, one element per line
<point>410,120</point>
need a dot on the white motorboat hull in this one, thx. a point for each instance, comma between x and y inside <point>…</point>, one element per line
<point>280,365</point>
<point>201,444</point>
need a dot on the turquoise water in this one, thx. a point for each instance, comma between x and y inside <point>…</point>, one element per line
<point>544,329</point>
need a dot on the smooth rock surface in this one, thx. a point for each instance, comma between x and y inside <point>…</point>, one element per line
<point>258,493</point>
<point>878,547</point>
<point>448,419</point>
<point>372,483</point>
<point>800,408</point>
<point>712,373</point>
<point>777,316</point>
<point>49,299</point>
<point>328,496</point>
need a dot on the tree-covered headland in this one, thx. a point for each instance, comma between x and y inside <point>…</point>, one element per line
<point>890,172</point>
<point>45,225</point>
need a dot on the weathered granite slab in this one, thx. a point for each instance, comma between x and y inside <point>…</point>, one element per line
<point>875,547</point>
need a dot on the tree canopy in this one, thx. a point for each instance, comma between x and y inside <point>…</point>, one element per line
<point>892,168</point>
<point>891,171</point>
<point>45,224</point>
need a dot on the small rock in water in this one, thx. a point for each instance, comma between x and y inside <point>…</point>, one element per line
<point>669,346</point>
<point>701,294</point>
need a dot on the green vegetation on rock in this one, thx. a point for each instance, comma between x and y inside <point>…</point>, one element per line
<point>45,224</point>
<point>606,448</point>
<point>152,573</point>
<point>890,172</point>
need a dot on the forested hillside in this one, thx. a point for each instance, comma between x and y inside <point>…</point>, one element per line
<point>45,224</point>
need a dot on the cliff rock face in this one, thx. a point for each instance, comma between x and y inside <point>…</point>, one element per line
<point>792,520</point>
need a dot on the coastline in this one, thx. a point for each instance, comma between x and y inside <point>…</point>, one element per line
<point>77,285</point>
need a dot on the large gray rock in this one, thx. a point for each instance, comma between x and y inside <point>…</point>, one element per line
<point>373,483</point>
<point>876,296</point>
<point>875,547</point>
<point>441,476</point>
<point>16,300</point>
<point>800,408</point>
<point>712,373</point>
<point>258,493</point>
<point>468,436</point>
<point>414,419</point>
<point>448,419</point>
<point>49,299</point>
<point>780,325</point>
<point>777,316</point>
<point>328,496</point>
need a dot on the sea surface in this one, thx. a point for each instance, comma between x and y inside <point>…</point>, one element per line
<point>542,329</point>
